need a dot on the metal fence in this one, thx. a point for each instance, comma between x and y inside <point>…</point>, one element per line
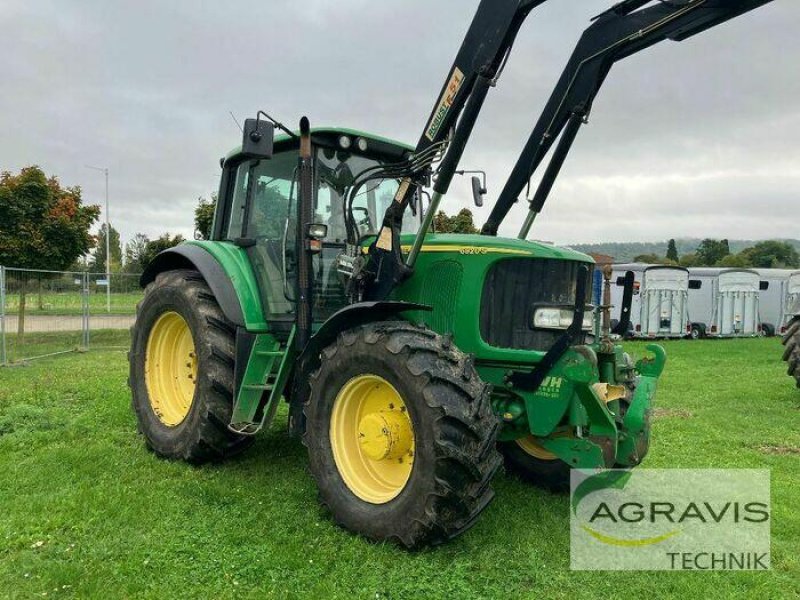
<point>43,313</point>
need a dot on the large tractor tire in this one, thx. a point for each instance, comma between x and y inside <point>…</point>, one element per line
<point>181,370</point>
<point>401,435</point>
<point>791,351</point>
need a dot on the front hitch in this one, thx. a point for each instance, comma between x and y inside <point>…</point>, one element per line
<point>635,439</point>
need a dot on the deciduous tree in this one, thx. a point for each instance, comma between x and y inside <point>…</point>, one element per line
<point>158,245</point>
<point>710,252</point>
<point>42,225</point>
<point>204,215</point>
<point>98,264</point>
<point>463,222</point>
<point>771,254</point>
<point>135,251</point>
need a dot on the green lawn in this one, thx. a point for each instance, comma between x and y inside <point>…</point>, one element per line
<point>48,342</point>
<point>86,511</point>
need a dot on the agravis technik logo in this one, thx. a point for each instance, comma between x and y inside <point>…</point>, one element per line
<point>670,519</point>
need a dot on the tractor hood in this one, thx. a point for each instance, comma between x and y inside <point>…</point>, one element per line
<point>465,244</point>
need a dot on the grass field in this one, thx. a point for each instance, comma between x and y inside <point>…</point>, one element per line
<point>87,511</point>
<point>44,343</point>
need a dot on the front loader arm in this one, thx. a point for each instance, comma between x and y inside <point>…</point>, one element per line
<point>623,30</point>
<point>475,69</point>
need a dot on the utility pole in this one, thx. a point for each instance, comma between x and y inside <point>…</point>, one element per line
<point>104,170</point>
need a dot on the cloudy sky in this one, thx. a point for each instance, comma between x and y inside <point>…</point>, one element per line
<point>692,139</point>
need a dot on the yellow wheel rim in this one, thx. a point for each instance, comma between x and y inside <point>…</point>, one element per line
<point>531,446</point>
<point>170,368</point>
<point>372,438</point>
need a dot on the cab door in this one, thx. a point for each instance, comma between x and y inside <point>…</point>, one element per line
<point>262,218</point>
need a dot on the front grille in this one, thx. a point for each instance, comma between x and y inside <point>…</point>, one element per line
<point>513,287</point>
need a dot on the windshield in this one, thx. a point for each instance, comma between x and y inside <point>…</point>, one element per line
<point>337,171</point>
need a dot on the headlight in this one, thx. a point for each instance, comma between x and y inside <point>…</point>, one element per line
<point>558,318</point>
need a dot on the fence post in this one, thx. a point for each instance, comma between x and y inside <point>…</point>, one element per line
<point>3,355</point>
<point>85,310</point>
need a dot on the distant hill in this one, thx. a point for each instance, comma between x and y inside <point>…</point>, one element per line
<point>626,251</point>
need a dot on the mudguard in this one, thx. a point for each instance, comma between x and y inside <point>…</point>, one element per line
<point>353,316</point>
<point>191,256</point>
<point>346,318</point>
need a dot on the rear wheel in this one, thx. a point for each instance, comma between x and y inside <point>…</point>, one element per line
<point>181,370</point>
<point>401,435</point>
<point>696,332</point>
<point>791,352</point>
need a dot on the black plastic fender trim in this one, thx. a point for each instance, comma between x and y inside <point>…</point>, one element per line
<point>353,316</point>
<point>346,318</point>
<point>187,256</point>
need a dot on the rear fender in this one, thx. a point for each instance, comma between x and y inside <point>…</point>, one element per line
<point>226,269</point>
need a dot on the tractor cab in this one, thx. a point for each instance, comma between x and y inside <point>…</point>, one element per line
<point>258,211</point>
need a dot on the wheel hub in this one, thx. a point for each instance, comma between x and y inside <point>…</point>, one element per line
<point>385,435</point>
<point>372,438</point>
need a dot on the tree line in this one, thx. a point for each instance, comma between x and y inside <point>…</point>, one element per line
<point>768,254</point>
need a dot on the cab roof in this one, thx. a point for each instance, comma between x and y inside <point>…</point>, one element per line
<point>283,140</point>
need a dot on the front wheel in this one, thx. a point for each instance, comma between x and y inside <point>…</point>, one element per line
<point>400,435</point>
<point>534,463</point>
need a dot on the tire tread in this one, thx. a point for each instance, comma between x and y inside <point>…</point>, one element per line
<point>791,352</point>
<point>466,458</point>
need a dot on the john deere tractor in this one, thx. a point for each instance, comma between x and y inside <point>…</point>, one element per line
<point>414,363</point>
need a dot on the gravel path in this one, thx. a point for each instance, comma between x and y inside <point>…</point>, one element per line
<point>42,323</point>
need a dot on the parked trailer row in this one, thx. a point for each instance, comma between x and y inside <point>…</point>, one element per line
<point>672,302</point>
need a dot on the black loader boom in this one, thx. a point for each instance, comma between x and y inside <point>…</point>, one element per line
<point>619,32</point>
<point>625,29</point>
<point>477,66</point>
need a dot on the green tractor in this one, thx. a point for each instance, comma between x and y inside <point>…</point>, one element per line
<point>413,363</point>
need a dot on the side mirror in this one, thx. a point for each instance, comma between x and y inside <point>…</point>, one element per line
<point>477,191</point>
<point>257,138</point>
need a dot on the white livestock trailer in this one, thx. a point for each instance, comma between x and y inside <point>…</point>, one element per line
<point>659,304</point>
<point>724,302</point>
<point>779,288</point>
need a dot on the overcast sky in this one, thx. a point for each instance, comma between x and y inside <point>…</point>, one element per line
<point>685,140</point>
